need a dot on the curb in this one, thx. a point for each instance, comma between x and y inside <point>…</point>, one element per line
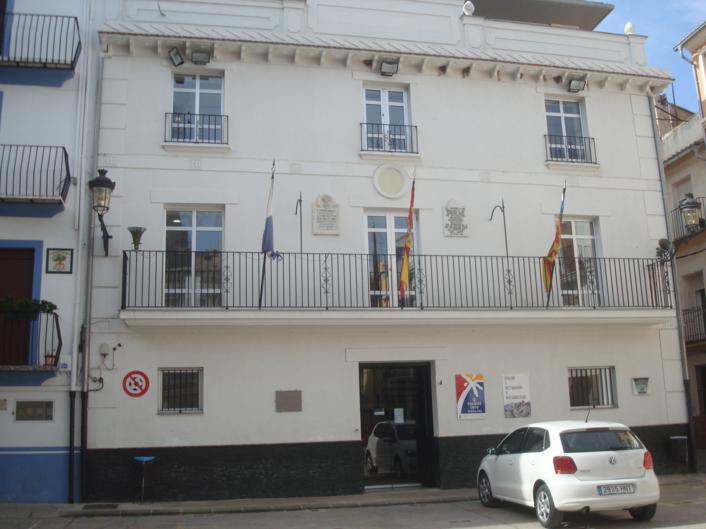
<point>347,504</point>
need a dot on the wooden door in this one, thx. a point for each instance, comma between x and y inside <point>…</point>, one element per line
<point>16,271</point>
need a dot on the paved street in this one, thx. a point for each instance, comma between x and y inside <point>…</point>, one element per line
<point>683,506</point>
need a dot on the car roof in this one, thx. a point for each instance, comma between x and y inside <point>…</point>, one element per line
<point>562,426</point>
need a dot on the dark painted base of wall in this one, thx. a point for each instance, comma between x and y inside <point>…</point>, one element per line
<point>219,472</point>
<point>290,470</point>
<point>460,457</point>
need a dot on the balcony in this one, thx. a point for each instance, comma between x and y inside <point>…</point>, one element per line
<point>174,282</point>
<point>201,129</point>
<point>392,139</point>
<point>694,325</point>
<point>34,180</point>
<point>679,228</point>
<point>29,341</point>
<point>39,42</point>
<point>570,149</point>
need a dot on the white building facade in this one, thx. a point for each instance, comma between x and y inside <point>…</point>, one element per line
<point>241,384</point>
<point>48,74</point>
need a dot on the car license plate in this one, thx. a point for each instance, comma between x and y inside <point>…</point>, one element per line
<point>609,490</point>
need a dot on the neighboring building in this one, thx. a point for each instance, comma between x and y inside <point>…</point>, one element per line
<point>669,115</point>
<point>48,72</point>
<point>238,395</point>
<point>684,156</point>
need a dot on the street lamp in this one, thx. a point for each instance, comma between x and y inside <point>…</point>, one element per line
<point>690,209</point>
<point>101,188</point>
<point>136,232</point>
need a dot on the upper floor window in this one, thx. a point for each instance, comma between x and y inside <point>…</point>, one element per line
<point>566,136</point>
<point>578,268</point>
<point>386,126</point>
<point>197,110</point>
<point>194,241</point>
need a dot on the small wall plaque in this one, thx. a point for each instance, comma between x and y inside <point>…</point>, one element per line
<point>288,400</point>
<point>455,224</point>
<point>60,261</point>
<point>640,385</point>
<point>325,216</point>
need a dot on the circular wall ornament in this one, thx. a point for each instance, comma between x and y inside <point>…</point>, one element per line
<point>390,181</point>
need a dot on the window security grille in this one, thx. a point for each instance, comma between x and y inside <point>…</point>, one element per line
<point>592,386</point>
<point>181,390</point>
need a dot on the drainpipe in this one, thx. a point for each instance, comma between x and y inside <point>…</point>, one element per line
<point>677,303</point>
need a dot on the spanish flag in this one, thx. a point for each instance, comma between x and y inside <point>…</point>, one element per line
<point>404,271</point>
<point>549,261</point>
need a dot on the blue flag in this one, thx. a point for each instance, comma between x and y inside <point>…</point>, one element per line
<point>268,236</point>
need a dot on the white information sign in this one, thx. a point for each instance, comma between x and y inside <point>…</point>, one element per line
<point>516,396</point>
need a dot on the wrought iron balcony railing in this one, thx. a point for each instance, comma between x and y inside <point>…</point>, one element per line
<point>379,137</point>
<point>40,41</point>
<point>160,279</point>
<point>32,342</point>
<point>679,229</point>
<point>195,128</point>
<point>34,173</point>
<point>694,324</point>
<point>575,149</point>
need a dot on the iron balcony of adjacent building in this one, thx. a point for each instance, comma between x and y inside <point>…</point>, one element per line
<point>694,325</point>
<point>40,41</point>
<point>682,230</point>
<point>570,149</point>
<point>169,280</point>
<point>187,128</point>
<point>29,341</point>
<point>36,175</point>
<point>384,138</point>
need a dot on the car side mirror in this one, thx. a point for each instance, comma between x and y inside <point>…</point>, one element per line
<point>490,451</point>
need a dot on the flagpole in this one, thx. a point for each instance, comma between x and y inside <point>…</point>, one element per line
<point>561,217</point>
<point>264,253</point>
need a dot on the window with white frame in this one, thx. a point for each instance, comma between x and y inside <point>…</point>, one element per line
<point>197,110</point>
<point>591,387</point>
<point>193,258</point>
<point>566,132</point>
<point>578,266</point>
<point>181,390</point>
<point>386,233</point>
<point>386,126</point>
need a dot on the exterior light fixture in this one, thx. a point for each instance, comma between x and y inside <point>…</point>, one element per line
<point>468,8</point>
<point>389,67</point>
<point>175,57</point>
<point>690,209</point>
<point>577,85</point>
<point>200,57</point>
<point>136,232</point>
<point>101,189</point>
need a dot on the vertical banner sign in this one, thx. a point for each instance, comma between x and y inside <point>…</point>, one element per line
<point>516,396</point>
<point>470,396</point>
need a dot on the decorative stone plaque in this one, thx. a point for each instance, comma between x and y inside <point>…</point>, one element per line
<point>325,216</point>
<point>455,224</point>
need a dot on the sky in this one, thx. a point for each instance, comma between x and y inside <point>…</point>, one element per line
<point>665,22</point>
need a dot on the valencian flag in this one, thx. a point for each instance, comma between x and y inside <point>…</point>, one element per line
<point>549,261</point>
<point>404,271</point>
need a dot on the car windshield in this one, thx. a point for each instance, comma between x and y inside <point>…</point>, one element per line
<point>599,440</point>
<point>406,432</point>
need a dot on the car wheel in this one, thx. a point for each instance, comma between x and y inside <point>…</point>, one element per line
<point>547,515</point>
<point>643,514</point>
<point>372,469</point>
<point>485,493</point>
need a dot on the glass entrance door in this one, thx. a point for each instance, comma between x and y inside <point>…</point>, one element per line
<point>396,425</point>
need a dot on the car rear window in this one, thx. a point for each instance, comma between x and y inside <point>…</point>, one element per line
<point>595,440</point>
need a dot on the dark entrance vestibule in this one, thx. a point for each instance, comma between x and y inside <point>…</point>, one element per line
<point>396,424</point>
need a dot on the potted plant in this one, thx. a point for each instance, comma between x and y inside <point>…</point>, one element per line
<point>23,308</point>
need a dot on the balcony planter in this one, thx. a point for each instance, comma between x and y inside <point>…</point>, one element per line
<point>24,309</point>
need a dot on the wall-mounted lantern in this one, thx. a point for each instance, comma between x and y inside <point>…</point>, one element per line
<point>690,209</point>
<point>101,189</point>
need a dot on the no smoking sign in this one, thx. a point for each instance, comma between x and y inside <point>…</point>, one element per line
<point>136,384</point>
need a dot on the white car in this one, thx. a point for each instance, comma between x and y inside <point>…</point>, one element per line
<point>392,448</point>
<point>570,466</point>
